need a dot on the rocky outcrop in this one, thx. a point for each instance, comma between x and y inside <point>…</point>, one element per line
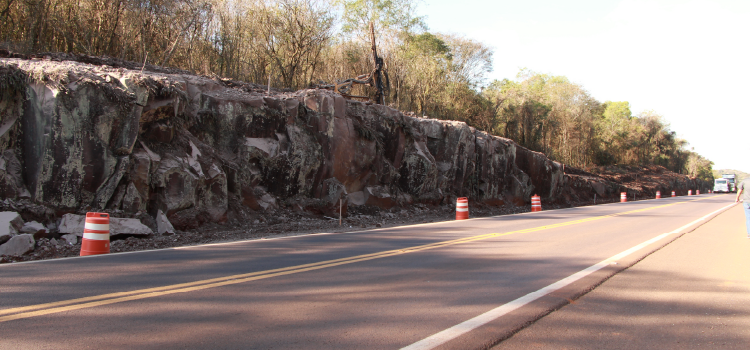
<point>76,137</point>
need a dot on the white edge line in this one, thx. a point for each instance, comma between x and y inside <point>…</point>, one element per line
<point>476,322</point>
<point>293,235</point>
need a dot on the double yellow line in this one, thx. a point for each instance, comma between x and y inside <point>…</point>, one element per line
<point>112,298</point>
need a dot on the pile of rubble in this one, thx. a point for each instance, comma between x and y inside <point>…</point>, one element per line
<point>63,239</point>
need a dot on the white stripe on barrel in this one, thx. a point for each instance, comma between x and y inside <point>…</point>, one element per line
<point>96,227</point>
<point>96,236</point>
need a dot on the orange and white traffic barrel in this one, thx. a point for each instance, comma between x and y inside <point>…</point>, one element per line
<point>673,194</point>
<point>690,192</point>
<point>623,197</point>
<point>697,192</point>
<point>95,234</point>
<point>462,208</point>
<point>536,203</point>
<point>658,194</point>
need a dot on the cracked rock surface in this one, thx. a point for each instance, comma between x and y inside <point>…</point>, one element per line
<point>199,159</point>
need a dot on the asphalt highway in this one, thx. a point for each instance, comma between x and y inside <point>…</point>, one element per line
<point>456,284</point>
<point>692,294</point>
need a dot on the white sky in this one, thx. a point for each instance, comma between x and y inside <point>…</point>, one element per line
<point>686,60</point>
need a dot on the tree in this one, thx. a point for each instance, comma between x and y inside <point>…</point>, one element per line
<point>294,34</point>
<point>389,17</point>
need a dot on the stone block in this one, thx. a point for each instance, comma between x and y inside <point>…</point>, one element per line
<point>72,224</point>
<point>163,226</point>
<point>357,198</point>
<point>18,245</point>
<point>10,223</point>
<point>128,226</point>
<point>380,197</point>
<point>70,238</point>
<point>34,228</point>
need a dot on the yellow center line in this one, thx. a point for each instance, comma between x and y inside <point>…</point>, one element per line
<point>112,298</point>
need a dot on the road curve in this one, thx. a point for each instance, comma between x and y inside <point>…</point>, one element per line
<point>381,289</point>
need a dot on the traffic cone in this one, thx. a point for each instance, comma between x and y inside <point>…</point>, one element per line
<point>462,208</point>
<point>95,234</point>
<point>536,203</point>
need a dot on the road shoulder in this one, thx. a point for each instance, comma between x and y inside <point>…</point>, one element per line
<point>693,293</point>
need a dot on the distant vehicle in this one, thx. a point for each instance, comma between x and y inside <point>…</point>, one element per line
<point>721,186</point>
<point>730,182</point>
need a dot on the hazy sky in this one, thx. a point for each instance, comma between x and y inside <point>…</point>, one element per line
<point>686,60</point>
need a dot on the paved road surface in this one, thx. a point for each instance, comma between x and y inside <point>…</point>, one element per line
<point>380,289</point>
<point>691,294</point>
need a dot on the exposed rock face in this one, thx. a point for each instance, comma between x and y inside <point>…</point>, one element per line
<point>100,138</point>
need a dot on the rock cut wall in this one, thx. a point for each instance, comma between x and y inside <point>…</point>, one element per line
<point>80,137</point>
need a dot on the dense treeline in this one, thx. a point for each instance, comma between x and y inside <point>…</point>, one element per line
<point>555,116</point>
<point>298,43</point>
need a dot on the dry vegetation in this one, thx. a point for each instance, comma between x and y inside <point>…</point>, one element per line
<point>297,43</point>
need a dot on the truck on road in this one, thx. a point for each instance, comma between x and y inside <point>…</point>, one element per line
<point>721,186</point>
<point>726,184</point>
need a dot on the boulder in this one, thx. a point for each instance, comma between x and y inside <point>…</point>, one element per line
<point>34,228</point>
<point>70,238</point>
<point>380,197</point>
<point>163,226</point>
<point>72,224</point>
<point>267,202</point>
<point>18,245</point>
<point>357,198</point>
<point>188,219</point>
<point>10,223</point>
<point>123,226</point>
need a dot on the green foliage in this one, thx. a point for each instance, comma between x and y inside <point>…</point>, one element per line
<point>741,175</point>
<point>387,15</point>
<point>426,44</point>
<point>699,167</point>
<point>552,115</point>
